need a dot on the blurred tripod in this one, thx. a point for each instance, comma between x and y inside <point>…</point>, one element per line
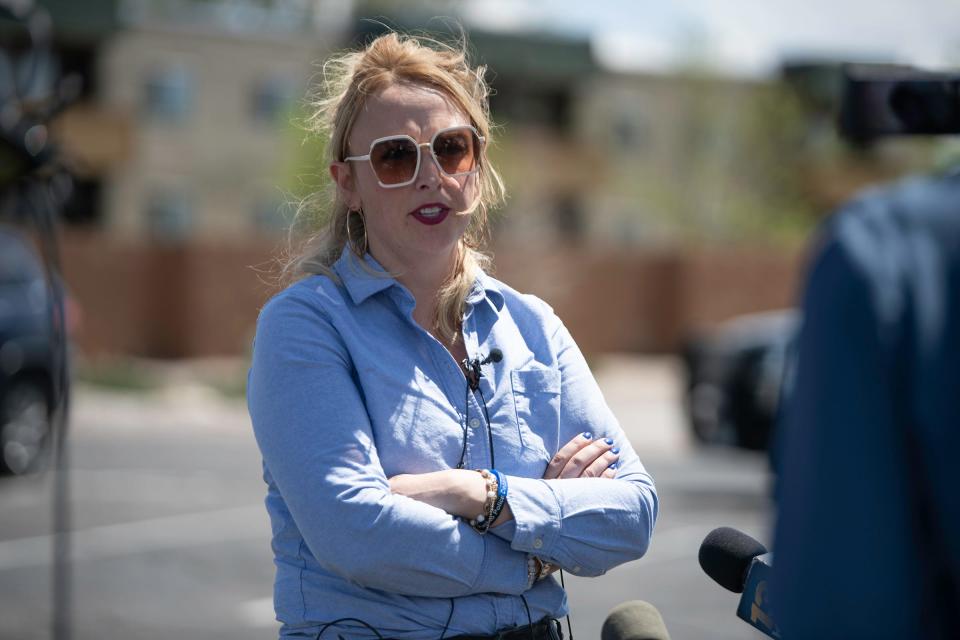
<point>34,184</point>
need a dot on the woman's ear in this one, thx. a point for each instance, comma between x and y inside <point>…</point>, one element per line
<point>342,175</point>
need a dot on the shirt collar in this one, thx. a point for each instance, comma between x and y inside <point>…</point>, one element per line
<point>366,277</point>
<point>361,277</point>
<point>486,288</point>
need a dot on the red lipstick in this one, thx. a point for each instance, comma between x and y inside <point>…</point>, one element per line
<point>432,213</point>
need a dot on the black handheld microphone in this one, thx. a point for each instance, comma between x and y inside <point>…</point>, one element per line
<point>634,620</point>
<point>741,564</point>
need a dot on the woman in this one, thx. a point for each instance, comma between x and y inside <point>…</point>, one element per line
<point>434,444</point>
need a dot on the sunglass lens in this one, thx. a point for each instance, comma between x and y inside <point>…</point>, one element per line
<point>394,161</point>
<point>457,151</point>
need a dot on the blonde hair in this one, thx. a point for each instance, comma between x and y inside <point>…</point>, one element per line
<point>347,82</point>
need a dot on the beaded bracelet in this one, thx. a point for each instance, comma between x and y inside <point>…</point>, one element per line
<point>480,522</point>
<point>546,568</point>
<point>533,570</point>
<point>538,569</point>
<point>495,501</point>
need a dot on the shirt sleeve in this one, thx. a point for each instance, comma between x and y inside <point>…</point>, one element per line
<point>316,440</point>
<point>586,525</point>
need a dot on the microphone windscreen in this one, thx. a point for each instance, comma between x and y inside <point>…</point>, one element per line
<point>496,355</point>
<point>726,554</point>
<point>635,620</point>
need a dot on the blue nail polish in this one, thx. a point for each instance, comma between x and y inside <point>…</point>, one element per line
<point>609,440</point>
<point>614,465</point>
<point>615,450</point>
<point>587,435</point>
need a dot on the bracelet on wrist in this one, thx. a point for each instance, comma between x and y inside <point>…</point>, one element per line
<point>501,498</point>
<point>533,570</point>
<point>538,569</point>
<point>495,500</point>
<point>482,521</point>
<point>546,568</point>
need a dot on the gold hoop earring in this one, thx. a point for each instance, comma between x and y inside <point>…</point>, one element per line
<point>358,249</point>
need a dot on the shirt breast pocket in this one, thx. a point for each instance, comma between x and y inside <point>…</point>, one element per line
<point>536,400</point>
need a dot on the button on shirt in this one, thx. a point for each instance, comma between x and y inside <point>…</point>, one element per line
<point>346,390</point>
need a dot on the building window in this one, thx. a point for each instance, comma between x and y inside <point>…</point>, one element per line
<point>169,216</point>
<point>169,94</point>
<point>568,218</point>
<point>84,206</point>
<point>271,98</point>
<point>529,104</point>
<point>628,133</point>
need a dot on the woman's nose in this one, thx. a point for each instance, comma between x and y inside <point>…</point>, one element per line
<point>429,175</point>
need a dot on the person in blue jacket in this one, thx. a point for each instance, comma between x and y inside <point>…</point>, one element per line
<point>867,541</point>
<point>434,444</point>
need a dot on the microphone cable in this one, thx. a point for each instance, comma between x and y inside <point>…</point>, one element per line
<point>466,417</point>
<point>564,587</point>
<point>486,414</point>
<point>324,628</point>
<point>446,625</point>
<point>529,618</point>
<point>473,374</point>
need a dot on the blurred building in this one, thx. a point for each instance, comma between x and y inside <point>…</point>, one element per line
<point>177,146</point>
<point>197,95</point>
<point>606,159</point>
<point>651,158</point>
<point>641,205</point>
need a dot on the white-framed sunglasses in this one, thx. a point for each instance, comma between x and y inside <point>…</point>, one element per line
<point>395,160</point>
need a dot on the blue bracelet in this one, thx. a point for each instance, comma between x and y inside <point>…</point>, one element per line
<point>501,497</point>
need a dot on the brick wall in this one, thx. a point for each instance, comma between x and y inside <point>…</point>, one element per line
<point>201,300</point>
<point>651,301</point>
<point>164,302</point>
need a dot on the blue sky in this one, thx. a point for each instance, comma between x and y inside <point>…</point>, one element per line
<point>742,37</point>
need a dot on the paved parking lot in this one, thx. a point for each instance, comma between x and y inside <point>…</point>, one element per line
<point>171,541</point>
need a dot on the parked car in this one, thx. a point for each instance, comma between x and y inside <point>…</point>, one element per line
<point>735,376</point>
<point>26,357</point>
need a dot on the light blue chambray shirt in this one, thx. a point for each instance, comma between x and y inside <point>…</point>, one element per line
<point>346,390</point>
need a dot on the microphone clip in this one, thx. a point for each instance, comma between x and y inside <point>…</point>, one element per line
<point>472,369</point>
<point>473,373</point>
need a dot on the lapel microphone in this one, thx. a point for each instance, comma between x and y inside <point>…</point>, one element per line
<point>472,367</point>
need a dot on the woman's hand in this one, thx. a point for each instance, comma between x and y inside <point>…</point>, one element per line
<point>545,568</point>
<point>584,457</point>
<point>463,493</point>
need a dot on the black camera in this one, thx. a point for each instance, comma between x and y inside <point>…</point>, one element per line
<point>886,100</point>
